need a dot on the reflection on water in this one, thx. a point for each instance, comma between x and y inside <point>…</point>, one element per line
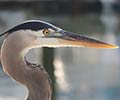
<point>81,73</point>
<point>60,75</point>
<point>90,78</point>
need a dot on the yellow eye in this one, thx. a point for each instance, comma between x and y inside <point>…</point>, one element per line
<point>46,32</point>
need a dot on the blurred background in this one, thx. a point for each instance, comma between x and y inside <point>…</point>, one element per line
<point>77,73</point>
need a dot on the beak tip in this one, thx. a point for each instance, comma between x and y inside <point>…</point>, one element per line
<point>116,47</point>
<point>111,46</point>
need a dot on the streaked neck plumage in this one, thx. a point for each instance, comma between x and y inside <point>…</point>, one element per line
<point>33,77</point>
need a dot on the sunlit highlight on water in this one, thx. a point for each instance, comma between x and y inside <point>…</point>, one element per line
<point>60,75</point>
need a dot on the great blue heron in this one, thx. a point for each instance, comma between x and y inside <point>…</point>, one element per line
<point>32,34</point>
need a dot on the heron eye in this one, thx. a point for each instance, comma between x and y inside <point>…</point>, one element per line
<point>46,32</point>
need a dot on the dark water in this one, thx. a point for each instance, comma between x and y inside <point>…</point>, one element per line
<point>81,73</point>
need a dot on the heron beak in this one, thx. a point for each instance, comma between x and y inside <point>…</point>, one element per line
<point>72,39</point>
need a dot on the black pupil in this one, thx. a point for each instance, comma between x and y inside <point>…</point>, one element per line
<point>46,31</point>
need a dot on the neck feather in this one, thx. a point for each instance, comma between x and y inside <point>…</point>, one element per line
<point>33,77</point>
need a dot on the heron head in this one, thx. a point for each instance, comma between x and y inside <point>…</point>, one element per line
<point>48,35</point>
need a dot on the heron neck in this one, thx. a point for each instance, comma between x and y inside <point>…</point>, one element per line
<point>37,93</point>
<point>34,78</point>
<point>12,61</point>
